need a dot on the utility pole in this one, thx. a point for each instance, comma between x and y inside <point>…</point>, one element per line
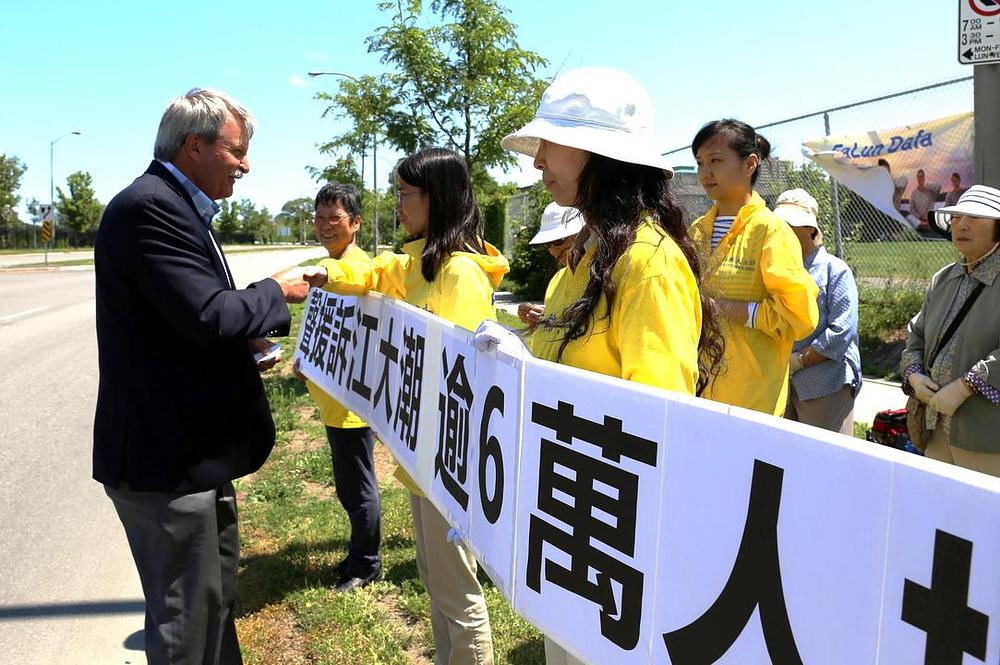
<point>987,107</point>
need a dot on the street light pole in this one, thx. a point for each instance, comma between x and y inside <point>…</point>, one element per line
<point>52,187</point>
<point>374,159</point>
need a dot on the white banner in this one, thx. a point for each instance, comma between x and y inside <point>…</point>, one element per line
<point>633,525</point>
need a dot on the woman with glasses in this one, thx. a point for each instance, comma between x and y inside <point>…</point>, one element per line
<point>449,270</point>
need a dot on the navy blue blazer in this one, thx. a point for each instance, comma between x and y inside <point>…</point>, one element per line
<point>180,404</point>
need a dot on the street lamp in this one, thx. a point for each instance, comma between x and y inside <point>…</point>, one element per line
<point>52,183</point>
<point>374,158</point>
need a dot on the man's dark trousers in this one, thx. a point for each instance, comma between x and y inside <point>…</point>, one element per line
<point>186,549</point>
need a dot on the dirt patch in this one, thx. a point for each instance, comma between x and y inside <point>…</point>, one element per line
<point>410,627</point>
<point>272,637</point>
<point>318,490</point>
<point>385,466</point>
<point>300,442</point>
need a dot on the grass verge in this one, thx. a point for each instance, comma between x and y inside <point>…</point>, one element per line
<point>294,532</point>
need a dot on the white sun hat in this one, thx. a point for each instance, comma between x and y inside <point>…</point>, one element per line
<point>558,222</point>
<point>977,201</point>
<point>797,207</point>
<point>601,110</point>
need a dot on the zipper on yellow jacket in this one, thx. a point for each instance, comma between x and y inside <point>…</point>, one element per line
<point>758,260</point>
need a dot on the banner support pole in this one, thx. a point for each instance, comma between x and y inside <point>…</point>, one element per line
<point>837,234</point>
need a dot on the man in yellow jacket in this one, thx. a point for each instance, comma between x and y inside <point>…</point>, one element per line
<point>352,442</point>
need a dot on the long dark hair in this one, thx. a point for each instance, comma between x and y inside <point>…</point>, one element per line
<point>454,222</point>
<point>613,196</point>
<point>743,138</point>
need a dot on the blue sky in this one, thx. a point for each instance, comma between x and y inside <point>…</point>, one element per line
<point>108,68</point>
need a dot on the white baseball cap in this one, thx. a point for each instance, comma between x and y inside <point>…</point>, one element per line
<point>558,222</point>
<point>600,110</point>
<point>797,207</point>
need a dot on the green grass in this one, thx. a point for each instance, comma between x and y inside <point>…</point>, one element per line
<point>39,250</point>
<point>53,263</point>
<point>508,320</point>
<point>917,260</point>
<point>294,532</point>
<point>882,318</point>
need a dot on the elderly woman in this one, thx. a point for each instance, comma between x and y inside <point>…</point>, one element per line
<point>825,367</point>
<point>557,231</point>
<point>952,360</point>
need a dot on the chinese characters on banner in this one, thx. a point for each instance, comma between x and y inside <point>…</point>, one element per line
<point>632,525</point>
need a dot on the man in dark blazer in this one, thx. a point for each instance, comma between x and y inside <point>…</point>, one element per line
<point>181,409</point>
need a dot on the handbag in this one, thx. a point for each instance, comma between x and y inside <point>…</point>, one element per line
<point>916,411</point>
<point>916,416</point>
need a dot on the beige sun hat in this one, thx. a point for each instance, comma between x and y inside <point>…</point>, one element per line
<point>558,222</point>
<point>797,207</point>
<point>600,110</point>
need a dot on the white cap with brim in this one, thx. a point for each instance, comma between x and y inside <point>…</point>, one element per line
<point>558,222</point>
<point>797,207</point>
<point>977,201</point>
<point>600,110</point>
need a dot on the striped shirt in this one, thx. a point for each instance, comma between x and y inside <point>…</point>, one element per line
<point>720,229</point>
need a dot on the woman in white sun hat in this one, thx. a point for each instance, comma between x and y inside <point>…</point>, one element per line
<point>952,357</point>
<point>628,304</point>
<point>558,229</point>
<point>825,367</point>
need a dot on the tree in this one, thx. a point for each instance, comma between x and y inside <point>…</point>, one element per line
<point>80,212</point>
<point>531,266</point>
<point>297,214</point>
<point>258,224</point>
<point>227,224</point>
<point>343,170</point>
<point>11,172</point>
<point>462,83</point>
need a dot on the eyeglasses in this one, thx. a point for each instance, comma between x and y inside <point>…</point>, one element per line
<point>400,194</point>
<point>319,219</point>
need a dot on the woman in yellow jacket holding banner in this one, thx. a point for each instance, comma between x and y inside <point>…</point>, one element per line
<point>753,268</point>
<point>627,305</point>
<point>449,271</point>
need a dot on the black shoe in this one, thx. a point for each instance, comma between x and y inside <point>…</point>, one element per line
<point>340,569</point>
<point>350,581</point>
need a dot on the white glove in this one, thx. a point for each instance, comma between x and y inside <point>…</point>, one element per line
<point>795,362</point>
<point>491,336</point>
<point>923,386</point>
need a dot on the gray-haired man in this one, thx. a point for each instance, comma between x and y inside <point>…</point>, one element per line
<point>181,409</point>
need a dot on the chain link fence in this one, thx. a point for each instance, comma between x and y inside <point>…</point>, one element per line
<point>879,248</point>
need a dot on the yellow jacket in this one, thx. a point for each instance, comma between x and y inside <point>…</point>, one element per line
<point>759,260</point>
<point>462,291</point>
<point>332,412</point>
<point>655,324</point>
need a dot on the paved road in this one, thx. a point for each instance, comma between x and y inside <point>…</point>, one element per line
<point>69,592</point>
<point>34,257</point>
